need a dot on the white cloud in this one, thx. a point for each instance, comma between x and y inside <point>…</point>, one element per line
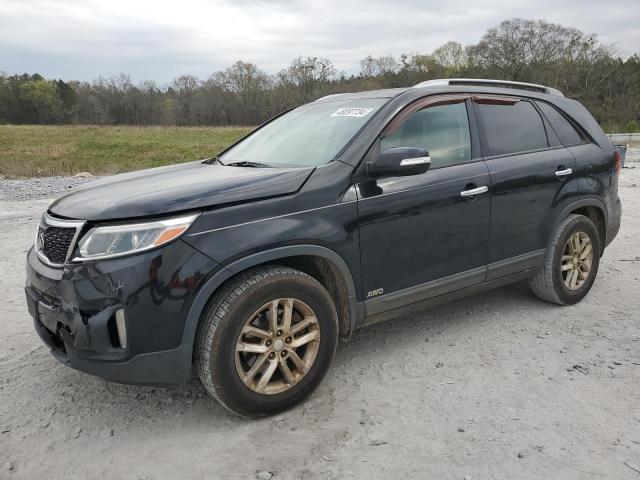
<point>83,39</point>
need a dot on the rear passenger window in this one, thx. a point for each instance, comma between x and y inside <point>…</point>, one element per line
<point>566,133</point>
<point>442,130</point>
<point>512,128</point>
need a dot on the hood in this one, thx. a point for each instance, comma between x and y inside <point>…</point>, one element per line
<point>175,188</point>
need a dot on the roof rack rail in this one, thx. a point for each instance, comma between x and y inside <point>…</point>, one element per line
<point>490,83</point>
<point>329,96</point>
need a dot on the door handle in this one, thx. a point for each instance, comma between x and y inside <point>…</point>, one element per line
<point>474,191</point>
<point>564,173</point>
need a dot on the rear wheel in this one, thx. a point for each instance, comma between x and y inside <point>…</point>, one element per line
<point>266,341</point>
<point>571,262</point>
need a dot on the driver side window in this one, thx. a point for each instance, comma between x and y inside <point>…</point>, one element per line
<point>442,130</point>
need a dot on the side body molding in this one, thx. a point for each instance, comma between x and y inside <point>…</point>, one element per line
<point>211,285</point>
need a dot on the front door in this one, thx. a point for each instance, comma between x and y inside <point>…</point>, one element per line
<point>425,235</point>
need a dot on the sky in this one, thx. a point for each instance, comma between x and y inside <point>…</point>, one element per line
<point>159,40</point>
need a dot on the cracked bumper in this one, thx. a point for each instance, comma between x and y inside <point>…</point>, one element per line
<point>73,310</point>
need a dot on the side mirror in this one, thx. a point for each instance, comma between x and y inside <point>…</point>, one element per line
<point>400,162</point>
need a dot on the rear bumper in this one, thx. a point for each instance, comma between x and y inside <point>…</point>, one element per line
<point>74,307</point>
<point>614,220</point>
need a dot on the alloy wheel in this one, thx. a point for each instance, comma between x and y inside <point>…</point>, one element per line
<point>277,346</point>
<point>577,258</point>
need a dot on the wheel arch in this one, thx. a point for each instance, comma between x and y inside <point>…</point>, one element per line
<point>592,208</point>
<point>321,263</point>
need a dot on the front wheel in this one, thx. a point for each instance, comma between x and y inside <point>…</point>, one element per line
<point>266,341</point>
<point>571,262</point>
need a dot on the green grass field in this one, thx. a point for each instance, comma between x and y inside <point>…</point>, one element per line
<point>39,151</point>
<point>36,151</point>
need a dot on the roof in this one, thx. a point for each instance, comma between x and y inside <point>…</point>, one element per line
<point>384,93</point>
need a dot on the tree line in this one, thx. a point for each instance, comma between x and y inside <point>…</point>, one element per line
<point>534,51</point>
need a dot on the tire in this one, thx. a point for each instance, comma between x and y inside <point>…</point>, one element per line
<point>550,283</point>
<point>223,369</point>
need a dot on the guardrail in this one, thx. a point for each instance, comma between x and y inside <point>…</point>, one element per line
<point>623,138</point>
<point>627,144</point>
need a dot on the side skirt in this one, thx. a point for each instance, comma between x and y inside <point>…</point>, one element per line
<point>514,265</point>
<point>448,297</point>
<point>424,291</point>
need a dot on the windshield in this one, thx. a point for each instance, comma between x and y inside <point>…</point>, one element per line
<point>310,135</point>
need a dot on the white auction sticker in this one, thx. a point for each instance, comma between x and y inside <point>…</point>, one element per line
<point>351,112</point>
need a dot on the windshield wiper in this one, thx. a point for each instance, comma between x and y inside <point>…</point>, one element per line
<point>248,164</point>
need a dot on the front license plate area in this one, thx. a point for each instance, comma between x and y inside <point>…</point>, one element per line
<point>32,305</point>
<point>47,315</point>
<point>43,312</point>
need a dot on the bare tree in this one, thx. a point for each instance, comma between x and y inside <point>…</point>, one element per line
<point>378,66</point>
<point>309,76</point>
<point>517,44</point>
<point>528,50</point>
<point>248,84</point>
<point>451,55</point>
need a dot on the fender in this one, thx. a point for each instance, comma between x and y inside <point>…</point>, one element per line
<point>211,285</point>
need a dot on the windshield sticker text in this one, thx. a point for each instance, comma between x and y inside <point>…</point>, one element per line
<point>351,112</point>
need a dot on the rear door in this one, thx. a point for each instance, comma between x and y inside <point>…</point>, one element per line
<point>530,173</point>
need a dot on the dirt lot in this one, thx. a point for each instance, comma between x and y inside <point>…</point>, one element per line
<point>498,386</point>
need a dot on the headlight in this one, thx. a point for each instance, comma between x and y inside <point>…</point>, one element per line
<point>117,240</point>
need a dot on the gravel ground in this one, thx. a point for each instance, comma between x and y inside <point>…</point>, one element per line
<point>633,155</point>
<point>499,385</point>
<point>44,187</point>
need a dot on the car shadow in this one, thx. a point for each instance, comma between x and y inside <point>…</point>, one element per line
<point>191,405</point>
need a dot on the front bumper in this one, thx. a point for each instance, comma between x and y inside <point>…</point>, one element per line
<point>74,308</point>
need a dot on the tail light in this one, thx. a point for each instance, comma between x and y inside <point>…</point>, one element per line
<point>618,161</point>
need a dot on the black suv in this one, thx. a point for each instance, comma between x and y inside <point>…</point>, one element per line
<point>249,266</point>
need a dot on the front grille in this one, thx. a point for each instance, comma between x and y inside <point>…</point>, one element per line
<point>55,239</point>
<point>55,242</point>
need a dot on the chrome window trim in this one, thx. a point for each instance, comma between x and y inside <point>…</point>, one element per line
<point>48,221</point>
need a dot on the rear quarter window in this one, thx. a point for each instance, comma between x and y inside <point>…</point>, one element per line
<point>566,132</point>
<point>512,128</point>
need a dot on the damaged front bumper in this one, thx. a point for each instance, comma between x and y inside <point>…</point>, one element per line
<point>75,310</point>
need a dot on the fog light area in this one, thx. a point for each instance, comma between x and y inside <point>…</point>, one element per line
<point>121,328</point>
